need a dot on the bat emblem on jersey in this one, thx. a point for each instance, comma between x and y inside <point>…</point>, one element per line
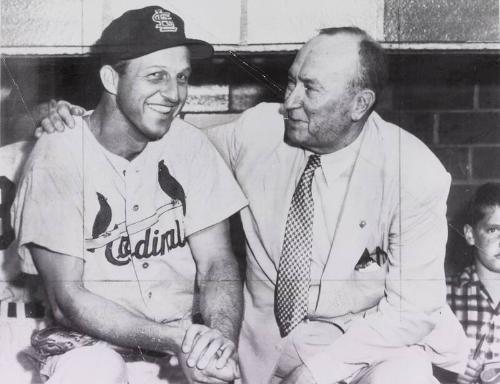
<point>170,185</point>
<point>102,219</point>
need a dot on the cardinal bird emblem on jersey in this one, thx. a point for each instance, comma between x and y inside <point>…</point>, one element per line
<point>102,219</point>
<point>154,240</point>
<point>171,186</point>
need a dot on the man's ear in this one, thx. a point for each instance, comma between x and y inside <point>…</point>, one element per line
<point>469,234</point>
<point>109,78</point>
<point>363,101</point>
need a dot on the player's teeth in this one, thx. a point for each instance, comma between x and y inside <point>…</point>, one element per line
<point>159,108</point>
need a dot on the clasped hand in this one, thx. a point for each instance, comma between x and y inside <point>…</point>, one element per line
<point>208,356</point>
<point>472,371</point>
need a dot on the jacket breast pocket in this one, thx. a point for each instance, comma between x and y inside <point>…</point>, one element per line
<point>368,276</point>
<point>371,261</point>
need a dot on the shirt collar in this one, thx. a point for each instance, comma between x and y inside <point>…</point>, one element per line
<point>469,276</point>
<point>336,163</point>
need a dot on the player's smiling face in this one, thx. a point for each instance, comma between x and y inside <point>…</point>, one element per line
<point>153,89</point>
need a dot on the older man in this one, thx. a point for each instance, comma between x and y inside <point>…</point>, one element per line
<point>126,216</point>
<point>345,229</point>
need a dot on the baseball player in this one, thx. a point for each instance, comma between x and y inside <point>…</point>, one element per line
<point>21,310</point>
<point>126,220</point>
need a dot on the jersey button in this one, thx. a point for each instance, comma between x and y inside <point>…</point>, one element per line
<point>135,207</point>
<point>145,265</point>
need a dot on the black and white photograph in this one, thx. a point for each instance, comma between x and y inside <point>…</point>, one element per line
<point>250,192</point>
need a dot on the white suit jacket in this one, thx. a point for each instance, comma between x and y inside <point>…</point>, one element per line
<point>395,200</point>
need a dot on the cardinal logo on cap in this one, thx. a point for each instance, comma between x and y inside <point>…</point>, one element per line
<point>164,21</point>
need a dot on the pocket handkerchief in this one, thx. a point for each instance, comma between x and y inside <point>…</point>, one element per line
<point>367,259</point>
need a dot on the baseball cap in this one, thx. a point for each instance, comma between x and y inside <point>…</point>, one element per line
<point>139,32</point>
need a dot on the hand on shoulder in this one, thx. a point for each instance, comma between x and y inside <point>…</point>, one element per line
<point>56,116</point>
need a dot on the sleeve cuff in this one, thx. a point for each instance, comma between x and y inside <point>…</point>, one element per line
<point>219,216</point>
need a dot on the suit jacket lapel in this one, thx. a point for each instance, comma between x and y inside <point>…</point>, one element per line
<point>359,218</point>
<point>279,189</point>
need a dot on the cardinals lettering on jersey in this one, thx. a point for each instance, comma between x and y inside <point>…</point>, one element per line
<point>120,252</point>
<point>157,238</point>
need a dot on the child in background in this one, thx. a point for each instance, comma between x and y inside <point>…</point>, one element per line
<point>474,294</point>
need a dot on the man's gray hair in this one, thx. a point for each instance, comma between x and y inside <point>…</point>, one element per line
<point>372,61</point>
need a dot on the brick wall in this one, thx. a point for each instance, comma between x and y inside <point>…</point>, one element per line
<point>451,101</point>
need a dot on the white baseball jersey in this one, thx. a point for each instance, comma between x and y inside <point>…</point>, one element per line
<point>12,159</point>
<point>128,220</point>
<point>20,315</point>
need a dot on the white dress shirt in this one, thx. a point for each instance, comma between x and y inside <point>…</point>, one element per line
<point>328,189</point>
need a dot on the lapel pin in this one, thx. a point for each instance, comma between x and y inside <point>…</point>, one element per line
<point>362,224</point>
